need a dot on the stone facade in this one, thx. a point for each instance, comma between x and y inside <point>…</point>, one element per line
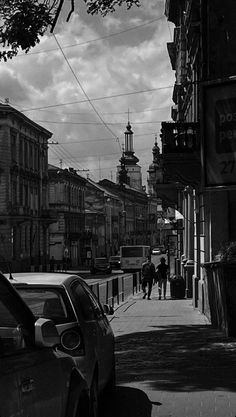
<point>24,210</point>
<point>67,234</point>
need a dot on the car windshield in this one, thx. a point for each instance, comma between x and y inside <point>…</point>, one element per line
<point>101,261</point>
<point>47,303</point>
<point>132,252</point>
<point>114,258</point>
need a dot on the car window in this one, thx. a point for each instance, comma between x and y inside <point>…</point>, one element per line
<point>47,303</point>
<point>12,337</point>
<point>82,302</point>
<point>95,303</point>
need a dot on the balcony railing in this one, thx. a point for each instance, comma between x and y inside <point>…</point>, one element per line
<point>180,137</point>
<point>181,153</point>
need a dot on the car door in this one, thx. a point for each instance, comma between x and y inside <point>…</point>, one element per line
<point>10,400</point>
<point>42,381</point>
<point>96,326</point>
<point>105,337</point>
<point>30,377</point>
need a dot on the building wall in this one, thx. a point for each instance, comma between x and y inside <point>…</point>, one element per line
<point>23,185</point>
<point>66,198</point>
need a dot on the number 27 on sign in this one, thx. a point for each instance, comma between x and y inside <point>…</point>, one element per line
<point>227,167</point>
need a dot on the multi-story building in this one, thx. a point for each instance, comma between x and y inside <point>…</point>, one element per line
<point>67,234</point>
<point>102,225</point>
<point>199,145</point>
<point>24,210</point>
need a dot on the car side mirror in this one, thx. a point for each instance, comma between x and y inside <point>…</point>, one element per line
<point>109,310</point>
<point>46,334</point>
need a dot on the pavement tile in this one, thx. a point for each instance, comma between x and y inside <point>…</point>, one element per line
<point>171,362</point>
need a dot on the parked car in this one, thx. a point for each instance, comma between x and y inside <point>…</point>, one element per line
<point>85,332</point>
<point>100,265</point>
<point>35,379</point>
<point>114,262</point>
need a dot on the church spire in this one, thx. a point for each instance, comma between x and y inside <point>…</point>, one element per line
<point>129,171</point>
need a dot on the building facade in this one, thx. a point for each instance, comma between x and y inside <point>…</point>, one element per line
<point>24,209</point>
<point>67,200</point>
<point>199,143</point>
<point>102,221</point>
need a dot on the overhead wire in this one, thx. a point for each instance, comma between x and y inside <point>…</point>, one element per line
<point>69,155</point>
<point>97,98</point>
<point>96,123</point>
<point>96,39</point>
<point>101,139</point>
<point>105,113</point>
<point>85,94</point>
<point>67,161</point>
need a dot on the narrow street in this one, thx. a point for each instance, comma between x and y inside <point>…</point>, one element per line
<point>171,362</point>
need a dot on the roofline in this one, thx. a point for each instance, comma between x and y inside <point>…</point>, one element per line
<point>101,188</point>
<point>11,110</point>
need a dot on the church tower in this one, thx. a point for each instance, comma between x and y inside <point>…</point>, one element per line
<point>129,170</point>
<point>155,170</point>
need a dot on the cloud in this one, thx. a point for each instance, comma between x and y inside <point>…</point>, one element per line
<point>114,65</point>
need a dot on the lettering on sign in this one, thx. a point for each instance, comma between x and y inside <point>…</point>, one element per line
<point>225,126</point>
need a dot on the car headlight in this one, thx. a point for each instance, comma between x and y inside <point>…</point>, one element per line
<point>71,340</point>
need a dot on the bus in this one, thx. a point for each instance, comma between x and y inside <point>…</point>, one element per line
<point>132,257</point>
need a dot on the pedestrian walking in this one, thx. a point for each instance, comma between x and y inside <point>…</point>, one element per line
<point>162,272</point>
<point>52,264</point>
<point>148,276</point>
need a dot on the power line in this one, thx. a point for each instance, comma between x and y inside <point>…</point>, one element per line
<point>110,154</point>
<point>85,94</point>
<point>97,123</point>
<point>98,98</point>
<point>88,140</point>
<point>107,113</point>
<point>62,156</point>
<point>94,40</point>
<point>69,154</point>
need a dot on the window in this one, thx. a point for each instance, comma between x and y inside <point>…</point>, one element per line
<point>82,302</point>
<point>36,158</point>
<point>21,192</point>
<point>46,303</point>
<point>26,196</point>
<point>96,305</point>
<point>13,146</point>
<point>21,150</point>
<point>14,192</point>
<point>31,159</point>
<point>132,251</point>
<point>26,154</point>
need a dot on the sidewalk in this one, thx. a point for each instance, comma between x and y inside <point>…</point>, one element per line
<point>171,362</point>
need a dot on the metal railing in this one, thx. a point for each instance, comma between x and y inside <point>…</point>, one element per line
<point>117,289</point>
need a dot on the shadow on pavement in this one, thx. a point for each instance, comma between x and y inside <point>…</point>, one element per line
<point>128,402</point>
<point>177,358</point>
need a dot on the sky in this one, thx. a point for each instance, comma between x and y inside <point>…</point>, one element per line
<point>84,82</point>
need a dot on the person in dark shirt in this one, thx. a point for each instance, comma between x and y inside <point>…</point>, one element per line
<point>163,272</point>
<point>148,276</point>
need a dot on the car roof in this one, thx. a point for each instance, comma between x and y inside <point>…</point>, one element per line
<point>42,278</point>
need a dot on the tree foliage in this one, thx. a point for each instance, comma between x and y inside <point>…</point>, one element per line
<point>22,22</point>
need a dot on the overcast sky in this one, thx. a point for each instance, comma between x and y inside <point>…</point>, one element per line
<point>81,85</point>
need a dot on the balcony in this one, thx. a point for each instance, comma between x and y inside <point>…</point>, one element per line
<point>168,193</point>
<point>48,216</point>
<point>181,153</point>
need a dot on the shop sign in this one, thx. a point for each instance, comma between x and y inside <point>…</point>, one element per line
<point>219,133</point>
